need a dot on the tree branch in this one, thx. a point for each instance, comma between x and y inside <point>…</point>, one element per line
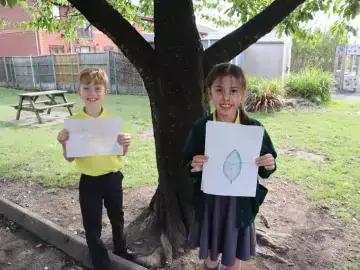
<point>105,18</point>
<point>240,39</point>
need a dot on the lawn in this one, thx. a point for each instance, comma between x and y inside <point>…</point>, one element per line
<point>333,132</point>
<point>34,153</point>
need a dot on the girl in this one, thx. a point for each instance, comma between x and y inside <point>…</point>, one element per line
<point>223,224</point>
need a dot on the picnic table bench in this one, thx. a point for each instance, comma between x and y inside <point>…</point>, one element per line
<point>29,102</point>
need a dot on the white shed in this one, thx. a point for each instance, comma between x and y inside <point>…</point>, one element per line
<point>269,57</point>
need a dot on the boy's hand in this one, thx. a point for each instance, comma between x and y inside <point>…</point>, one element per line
<point>124,139</point>
<point>267,161</point>
<point>68,159</point>
<point>198,163</point>
<point>63,136</point>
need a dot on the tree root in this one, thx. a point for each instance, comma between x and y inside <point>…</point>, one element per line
<point>266,240</point>
<point>264,220</point>
<point>163,225</point>
<point>268,254</point>
<point>152,260</point>
<point>167,248</point>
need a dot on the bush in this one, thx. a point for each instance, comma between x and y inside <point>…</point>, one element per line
<point>264,95</point>
<point>312,84</point>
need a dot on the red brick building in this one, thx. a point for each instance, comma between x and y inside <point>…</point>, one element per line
<point>15,42</point>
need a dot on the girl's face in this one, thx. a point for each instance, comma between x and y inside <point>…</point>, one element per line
<point>227,93</point>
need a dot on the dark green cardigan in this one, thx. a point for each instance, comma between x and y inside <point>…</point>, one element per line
<point>247,207</point>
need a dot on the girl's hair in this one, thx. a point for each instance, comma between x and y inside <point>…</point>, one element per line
<point>227,69</point>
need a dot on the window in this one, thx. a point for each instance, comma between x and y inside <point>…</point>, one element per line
<point>93,49</point>
<point>56,11</point>
<point>84,48</point>
<point>85,31</point>
<point>87,25</point>
<point>108,48</point>
<point>55,49</point>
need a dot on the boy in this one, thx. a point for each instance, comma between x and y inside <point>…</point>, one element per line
<point>101,179</point>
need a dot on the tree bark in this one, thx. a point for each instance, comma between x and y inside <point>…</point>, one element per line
<point>175,105</point>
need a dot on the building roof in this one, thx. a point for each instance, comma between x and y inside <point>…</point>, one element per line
<point>205,29</point>
<point>269,38</point>
<point>149,37</point>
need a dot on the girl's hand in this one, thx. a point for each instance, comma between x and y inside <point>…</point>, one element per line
<point>63,136</point>
<point>198,163</point>
<point>267,161</point>
<point>124,139</point>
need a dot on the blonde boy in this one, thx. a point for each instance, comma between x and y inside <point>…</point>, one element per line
<point>101,179</point>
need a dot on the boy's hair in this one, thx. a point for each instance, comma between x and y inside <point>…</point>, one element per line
<point>93,76</point>
<point>227,69</point>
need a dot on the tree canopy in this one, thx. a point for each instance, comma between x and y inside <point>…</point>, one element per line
<point>218,12</point>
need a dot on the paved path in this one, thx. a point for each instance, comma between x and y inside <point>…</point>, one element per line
<point>347,96</point>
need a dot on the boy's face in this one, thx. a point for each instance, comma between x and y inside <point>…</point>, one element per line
<point>227,94</point>
<point>92,94</point>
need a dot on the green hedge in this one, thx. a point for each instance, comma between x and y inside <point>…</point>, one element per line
<point>257,85</point>
<point>311,83</point>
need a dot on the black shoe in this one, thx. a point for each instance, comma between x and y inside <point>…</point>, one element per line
<point>126,254</point>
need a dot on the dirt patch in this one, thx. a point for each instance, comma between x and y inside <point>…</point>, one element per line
<point>147,135</point>
<point>301,235</point>
<point>61,205</point>
<point>20,250</point>
<point>30,120</point>
<point>300,104</point>
<point>301,154</point>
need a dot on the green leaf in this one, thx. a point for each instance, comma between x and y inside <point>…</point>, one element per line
<point>12,3</point>
<point>3,2</point>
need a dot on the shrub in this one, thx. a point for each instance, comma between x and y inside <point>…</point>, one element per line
<point>312,84</point>
<point>264,95</point>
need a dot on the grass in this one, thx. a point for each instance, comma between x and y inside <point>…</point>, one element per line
<point>34,153</point>
<point>334,132</point>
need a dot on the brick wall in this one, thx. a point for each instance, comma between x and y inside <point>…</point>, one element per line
<point>14,42</point>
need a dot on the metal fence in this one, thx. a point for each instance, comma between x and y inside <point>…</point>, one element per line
<point>47,72</point>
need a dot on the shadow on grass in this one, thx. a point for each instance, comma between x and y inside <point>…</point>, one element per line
<point>13,126</point>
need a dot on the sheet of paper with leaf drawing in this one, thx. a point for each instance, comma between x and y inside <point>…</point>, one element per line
<point>232,150</point>
<point>93,137</point>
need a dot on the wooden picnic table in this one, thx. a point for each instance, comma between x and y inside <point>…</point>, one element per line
<point>29,102</point>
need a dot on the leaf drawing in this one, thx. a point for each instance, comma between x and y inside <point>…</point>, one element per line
<point>232,166</point>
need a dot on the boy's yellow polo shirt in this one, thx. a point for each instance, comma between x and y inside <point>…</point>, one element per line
<point>97,165</point>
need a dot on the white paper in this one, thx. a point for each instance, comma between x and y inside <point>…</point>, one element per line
<point>232,150</point>
<point>93,137</point>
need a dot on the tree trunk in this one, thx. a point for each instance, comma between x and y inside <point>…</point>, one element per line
<point>173,75</point>
<point>176,102</point>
